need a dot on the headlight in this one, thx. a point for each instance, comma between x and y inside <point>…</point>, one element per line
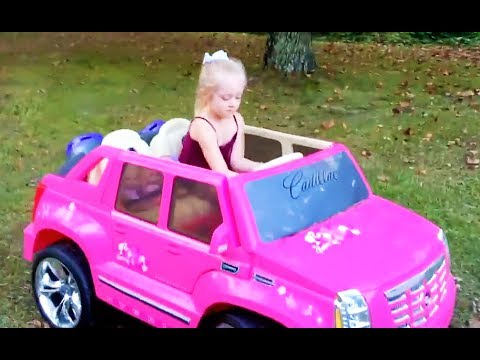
<point>351,310</point>
<point>443,238</point>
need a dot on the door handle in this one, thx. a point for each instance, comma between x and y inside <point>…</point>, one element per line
<point>173,249</point>
<point>119,228</point>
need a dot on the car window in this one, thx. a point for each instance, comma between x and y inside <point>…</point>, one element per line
<point>140,192</point>
<point>94,176</point>
<point>259,148</point>
<point>194,209</point>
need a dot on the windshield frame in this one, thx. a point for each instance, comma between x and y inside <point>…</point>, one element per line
<point>242,208</point>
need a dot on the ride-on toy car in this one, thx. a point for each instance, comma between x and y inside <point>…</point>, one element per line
<point>302,242</point>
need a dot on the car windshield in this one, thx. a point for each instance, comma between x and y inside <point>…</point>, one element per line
<point>286,203</point>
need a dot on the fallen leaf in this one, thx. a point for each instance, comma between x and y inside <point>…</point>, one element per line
<point>428,137</point>
<point>467,93</point>
<point>366,153</point>
<point>379,84</point>
<point>474,323</point>
<point>35,323</point>
<point>421,172</point>
<point>474,105</point>
<point>383,178</point>
<point>263,107</point>
<point>408,132</point>
<point>471,158</point>
<point>328,124</point>
<point>431,88</point>
<point>344,125</point>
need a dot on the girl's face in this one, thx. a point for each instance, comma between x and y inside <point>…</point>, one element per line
<point>225,101</point>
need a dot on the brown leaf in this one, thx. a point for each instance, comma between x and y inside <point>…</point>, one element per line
<point>474,105</point>
<point>421,172</point>
<point>471,159</point>
<point>428,137</point>
<point>446,72</point>
<point>35,323</point>
<point>366,153</point>
<point>404,83</point>
<point>431,88</point>
<point>474,323</point>
<point>383,178</point>
<point>328,124</point>
<point>466,93</point>
<point>408,132</point>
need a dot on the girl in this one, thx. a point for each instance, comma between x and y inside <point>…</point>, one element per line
<point>215,139</point>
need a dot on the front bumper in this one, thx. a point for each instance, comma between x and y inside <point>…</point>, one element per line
<point>28,242</point>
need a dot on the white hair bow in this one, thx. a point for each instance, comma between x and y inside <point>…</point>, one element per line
<point>218,55</point>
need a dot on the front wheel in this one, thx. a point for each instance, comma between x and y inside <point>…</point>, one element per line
<point>231,320</point>
<point>62,287</point>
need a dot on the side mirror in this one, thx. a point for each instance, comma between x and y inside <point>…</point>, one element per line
<point>220,240</point>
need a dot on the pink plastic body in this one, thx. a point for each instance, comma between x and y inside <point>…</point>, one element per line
<point>170,280</point>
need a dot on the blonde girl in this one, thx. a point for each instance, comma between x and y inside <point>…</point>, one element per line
<point>215,139</point>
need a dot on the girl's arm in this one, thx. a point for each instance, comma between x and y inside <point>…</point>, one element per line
<point>207,138</point>
<point>238,161</point>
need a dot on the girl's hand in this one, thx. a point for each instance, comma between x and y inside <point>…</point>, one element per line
<point>231,173</point>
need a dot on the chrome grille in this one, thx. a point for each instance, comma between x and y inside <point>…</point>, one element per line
<point>415,301</point>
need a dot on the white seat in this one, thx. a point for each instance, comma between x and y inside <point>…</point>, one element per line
<point>124,139</point>
<point>168,141</point>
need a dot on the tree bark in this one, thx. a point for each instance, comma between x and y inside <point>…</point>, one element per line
<point>290,52</point>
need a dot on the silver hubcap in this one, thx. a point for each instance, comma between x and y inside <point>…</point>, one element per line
<point>58,294</point>
<point>223,325</point>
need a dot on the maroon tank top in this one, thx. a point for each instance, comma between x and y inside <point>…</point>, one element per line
<point>192,153</point>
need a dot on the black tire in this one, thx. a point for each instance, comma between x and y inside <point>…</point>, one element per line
<point>73,263</point>
<point>239,319</point>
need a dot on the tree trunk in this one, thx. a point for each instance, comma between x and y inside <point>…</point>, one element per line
<point>290,52</point>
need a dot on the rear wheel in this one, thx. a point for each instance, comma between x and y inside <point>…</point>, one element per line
<point>62,287</point>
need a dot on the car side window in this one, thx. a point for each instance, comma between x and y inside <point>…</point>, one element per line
<point>194,209</point>
<point>140,192</point>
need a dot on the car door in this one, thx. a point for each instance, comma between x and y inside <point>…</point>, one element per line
<point>136,239</point>
<point>194,215</point>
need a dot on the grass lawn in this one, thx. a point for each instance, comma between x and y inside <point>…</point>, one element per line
<point>408,114</point>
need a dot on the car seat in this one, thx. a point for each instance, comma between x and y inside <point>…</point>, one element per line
<point>124,139</point>
<point>168,141</point>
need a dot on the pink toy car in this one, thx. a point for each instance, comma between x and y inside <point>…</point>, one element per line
<point>302,242</point>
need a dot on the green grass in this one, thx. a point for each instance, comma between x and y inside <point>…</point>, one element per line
<point>56,86</point>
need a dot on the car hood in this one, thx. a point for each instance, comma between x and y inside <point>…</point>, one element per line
<point>374,243</point>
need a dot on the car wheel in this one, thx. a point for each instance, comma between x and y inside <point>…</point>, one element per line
<point>239,320</point>
<point>62,287</point>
